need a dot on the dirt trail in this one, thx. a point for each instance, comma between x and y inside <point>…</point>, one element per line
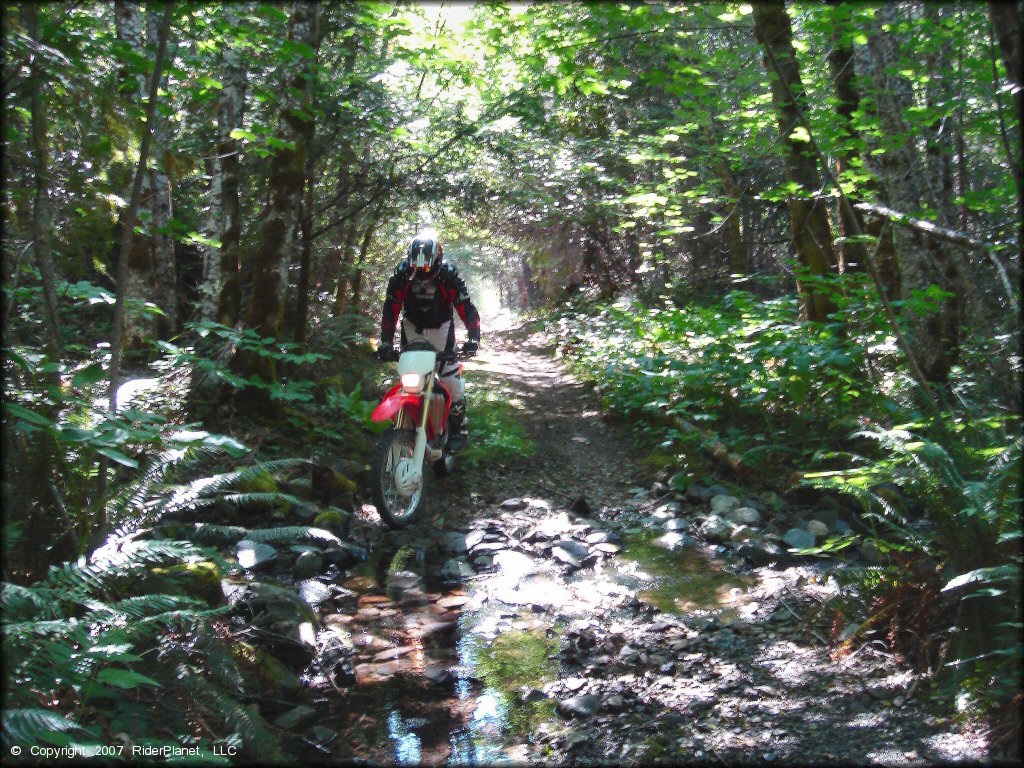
<point>579,634</point>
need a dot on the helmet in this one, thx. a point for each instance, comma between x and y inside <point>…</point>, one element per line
<point>425,253</point>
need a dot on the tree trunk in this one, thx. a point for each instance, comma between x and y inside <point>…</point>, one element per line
<point>277,233</point>
<point>923,262</point>
<point>128,243</point>
<point>812,235</point>
<point>1006,22</point>
<point>211,281</point>
<point>42,236</point>
<point>163,210</point>
<point>842,67</point>
<point>229,117</point>
<point>299,317</point>
<point>347,266</point>
<point>140,283</point>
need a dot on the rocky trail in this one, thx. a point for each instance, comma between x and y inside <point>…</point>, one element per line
<point>554,608</point>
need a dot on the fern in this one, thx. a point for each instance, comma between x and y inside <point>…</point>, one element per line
<point>254,730</point>
<point>33,726</point>
<point>291,533</point>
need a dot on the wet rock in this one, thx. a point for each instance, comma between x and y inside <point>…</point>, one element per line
<point>574,683</point>
<point>715,528</point>
<point>482,561</point>
<point>714,490</point>
<point>254,555</point>
<point>305,511</point>
<point>573,547</point>
<point>294,718</point>
<point>453,601</point>
<point>695,492</point>
<point>584,705</point>
<point>372,674</point>
<point>798,538</point>
<point>401,580</point>
<point>307,565</point>
<point>454,542</point>
<point>762,553</point>
<point>723,504</point>
<point>674,540</point>
<point>438,675</point>
<point>437,629</point>
<point>744,516</point>
<point>473,538</point>
<point>531,695</point>
<point>817,528</point>
<point>561,553</point>
<point>607,547</point>
<point>615,703</point>
<point>741,533</point>
<point>314,592</point>
<point>393,653</point>
<point>675,524</point>
<point>343,554</point>
<point>514,504</point>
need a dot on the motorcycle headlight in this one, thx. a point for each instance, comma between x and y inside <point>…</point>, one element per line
<point>412,382</point>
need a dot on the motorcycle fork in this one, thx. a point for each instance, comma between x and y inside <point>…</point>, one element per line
<point>420,447</point>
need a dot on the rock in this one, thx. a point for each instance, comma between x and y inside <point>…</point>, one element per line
<point>607,548</point>
<point>438,675</point>
<point>401,580</point>
<point>314,592</point>
<point>584,705</point>
<point>393,653</point>
<point>305,511</point>
<point>453,601</point>
<point>674,540</point>
<point>695,492</point>
<point>454,542</point>
<point>722,504</point>
<point>307,565</point>
<point>561,553</point>
<point>200,579</point>
<point>334,520</point>
<point>762,553</point>
<point>714,490</point>
<point>532,695</point>
<point>575,548</point>
<point>714,528</point>
<point>741,533</point>
<point>253,555</point>
<point>675,524</point>
<point>371,674</point>
<point>817,528</point>
<point>513,504</point>
<point>798,538</point>
<point>343,554</point>
<point>574,683</point>
<point>615,703</point>
<point>473,538</point>
<point>324,735</point>
<point>744,516</point>
<point>295,717</point>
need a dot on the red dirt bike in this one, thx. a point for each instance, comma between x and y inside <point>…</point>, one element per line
<point>419,406</point>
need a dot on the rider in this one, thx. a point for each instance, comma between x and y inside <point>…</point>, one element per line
<point>427,290</point>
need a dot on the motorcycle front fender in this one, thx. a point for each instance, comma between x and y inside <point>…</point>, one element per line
<point>393,402</point>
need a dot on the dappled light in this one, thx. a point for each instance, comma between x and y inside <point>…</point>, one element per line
<point>479,383</point>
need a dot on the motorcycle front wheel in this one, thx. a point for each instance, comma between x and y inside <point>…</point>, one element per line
<point>393,447</point>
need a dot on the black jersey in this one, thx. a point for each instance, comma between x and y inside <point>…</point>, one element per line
<point>428,301</point>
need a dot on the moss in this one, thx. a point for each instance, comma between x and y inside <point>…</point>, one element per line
<point>201,579</point>
<point>516,660</point>
<point>334,520</point>
<point>258,482</point>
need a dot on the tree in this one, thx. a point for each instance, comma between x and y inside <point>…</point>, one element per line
<point>812,234</point>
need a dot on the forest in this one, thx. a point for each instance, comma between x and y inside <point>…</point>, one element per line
<point>749,381</point>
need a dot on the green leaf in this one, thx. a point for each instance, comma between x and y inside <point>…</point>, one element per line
<point>124,678</point>
<point>16,411</point>
<point>116,455</point>
<point>88,375</point>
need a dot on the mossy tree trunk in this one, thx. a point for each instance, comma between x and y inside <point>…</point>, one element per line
<point>809,225</point>
<point>277,234</point>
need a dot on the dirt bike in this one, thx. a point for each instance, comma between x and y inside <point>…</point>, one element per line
<point>419,406</point>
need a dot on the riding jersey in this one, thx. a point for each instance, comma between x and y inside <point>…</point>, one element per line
<point>428,302</point>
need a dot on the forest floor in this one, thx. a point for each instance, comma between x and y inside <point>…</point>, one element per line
<point>543,611</point>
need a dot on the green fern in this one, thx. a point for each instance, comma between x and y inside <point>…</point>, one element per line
<point>33,726</point>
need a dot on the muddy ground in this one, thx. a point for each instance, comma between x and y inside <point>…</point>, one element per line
<point>536,615</point>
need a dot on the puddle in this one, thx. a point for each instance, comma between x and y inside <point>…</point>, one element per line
<point>683,580</point>
<point>475,713</point>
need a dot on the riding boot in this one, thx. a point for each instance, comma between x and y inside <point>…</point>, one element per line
<point>457,423</point>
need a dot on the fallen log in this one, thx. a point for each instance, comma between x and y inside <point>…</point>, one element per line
<point>711,445</point>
